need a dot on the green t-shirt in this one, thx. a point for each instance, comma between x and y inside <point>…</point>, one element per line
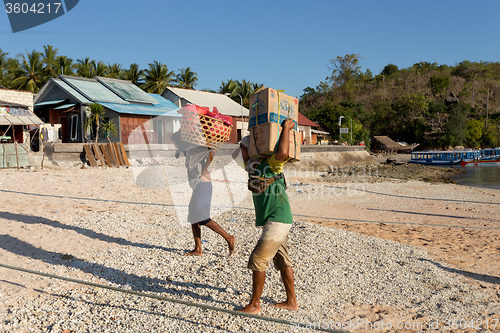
<point>272,204</point>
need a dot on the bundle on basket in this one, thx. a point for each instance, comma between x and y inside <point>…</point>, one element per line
<point>203,127</point>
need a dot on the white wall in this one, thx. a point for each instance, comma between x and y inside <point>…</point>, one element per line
<point>17,97</point>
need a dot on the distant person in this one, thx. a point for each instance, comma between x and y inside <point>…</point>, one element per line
<point>198,159</point>
<point>273,213</point>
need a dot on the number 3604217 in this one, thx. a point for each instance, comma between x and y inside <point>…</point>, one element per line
<point>36,8</point>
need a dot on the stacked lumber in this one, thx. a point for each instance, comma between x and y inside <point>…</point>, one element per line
<point>106,154</point>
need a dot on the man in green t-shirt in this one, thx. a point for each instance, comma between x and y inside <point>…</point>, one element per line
<point>273,213</point>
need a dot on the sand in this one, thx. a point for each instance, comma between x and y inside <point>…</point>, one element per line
<point>456,224</point>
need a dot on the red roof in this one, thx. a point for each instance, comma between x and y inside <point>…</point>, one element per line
<point>304,121</point>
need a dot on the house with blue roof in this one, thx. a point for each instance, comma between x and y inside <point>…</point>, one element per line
<point>66,100</point>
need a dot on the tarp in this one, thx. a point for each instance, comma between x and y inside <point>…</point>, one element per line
<point>18,115</point>
<point>13,155</point>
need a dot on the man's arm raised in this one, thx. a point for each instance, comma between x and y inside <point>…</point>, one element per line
<point>284,144</point>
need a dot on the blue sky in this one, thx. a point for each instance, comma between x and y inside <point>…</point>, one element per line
<point>281,44</point>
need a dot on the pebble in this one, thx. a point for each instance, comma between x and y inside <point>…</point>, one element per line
<point>335,270</point>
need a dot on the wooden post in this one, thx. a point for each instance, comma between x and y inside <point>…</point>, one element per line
<point>98,154</point>
<point>107,157</point>
<point>124,154</point>
<point>112,153</point>
<point>90,155</point>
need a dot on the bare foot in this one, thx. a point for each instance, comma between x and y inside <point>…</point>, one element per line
<point>251,308</point>
<point>232,244</point>
<point>194,253</point>
<point>286,305</point>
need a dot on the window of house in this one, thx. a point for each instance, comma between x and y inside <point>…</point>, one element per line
<point>74,127</point>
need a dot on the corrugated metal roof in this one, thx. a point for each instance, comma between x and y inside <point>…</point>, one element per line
<point>223,103</point>
<point>66,87</point>
<point>92,90</point>
<point>16,115</point>
<point>49,102</point>
<point>65,106</point>
<point>127,90</point>
<point>163,107</point>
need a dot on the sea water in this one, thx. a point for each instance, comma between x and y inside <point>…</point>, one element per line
<point>485,175</point>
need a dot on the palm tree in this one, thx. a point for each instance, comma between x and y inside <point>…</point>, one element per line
<point>50,61</point>
<point>65,65</point>
<point>84,67</point>
<point>13,71</point>
<point>3,66</point>
<point>115,71</point>
<point>30,76</point>
<point>134,74</point>
<point>108,128</point>
<point>99,69</point>
<point>157,78</point>
<point>230,86</point>
<point>96,116</point>
<point>186,79</point>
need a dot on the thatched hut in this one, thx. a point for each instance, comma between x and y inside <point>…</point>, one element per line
<point>383,144</point>
<point>450,99</point>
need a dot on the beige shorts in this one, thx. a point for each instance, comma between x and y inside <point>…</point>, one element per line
<point>271,245</point>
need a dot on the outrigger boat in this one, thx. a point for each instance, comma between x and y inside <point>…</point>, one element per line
<point>456,157</point>
<point>491,156</point>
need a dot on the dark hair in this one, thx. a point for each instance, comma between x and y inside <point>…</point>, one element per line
<point>181,144</point>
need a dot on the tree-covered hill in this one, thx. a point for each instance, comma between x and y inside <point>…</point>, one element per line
<point>435,105</point>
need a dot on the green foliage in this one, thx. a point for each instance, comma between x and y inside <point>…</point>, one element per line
<point>425,67</point>
<point>345,72</point>
<point>186,79</point>
<point>3,66</point>
<point>455,130</point>
<point>134,74</point>
<point>50,61</point>
<point>474,133</point>
<point>389,70</point>
<point>65,65</point>
<point>157,78</point>
<point>84,67</point>
<point>109,128</point>
<point>436,108</point>
<point>31,74</point>
<point>242,88</point>
<point>491,137</point>
<point>99,69</point>
<point>115,71</point>
<point>97,112</point>
<point>412,104</point>
<point>359,133</point>
<point>439,83</point>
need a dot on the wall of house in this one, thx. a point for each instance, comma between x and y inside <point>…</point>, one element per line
<point>135,129</point>
<point>172,97</point>
<point>17,97</point>
<point>306,130</point>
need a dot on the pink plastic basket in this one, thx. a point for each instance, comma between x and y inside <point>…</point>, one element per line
<point>203,130</point>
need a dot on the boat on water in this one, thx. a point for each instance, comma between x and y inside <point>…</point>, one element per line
<point>490,156</point>
<point>456,157</point>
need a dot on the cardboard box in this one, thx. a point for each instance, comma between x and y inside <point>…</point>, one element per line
<point>271,106</point>
<point>264,141</point>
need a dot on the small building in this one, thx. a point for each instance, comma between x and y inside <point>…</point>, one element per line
<point>311,132</point>
<point>225,105</point>
<point>66,100</point>
<point>18,125</point>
